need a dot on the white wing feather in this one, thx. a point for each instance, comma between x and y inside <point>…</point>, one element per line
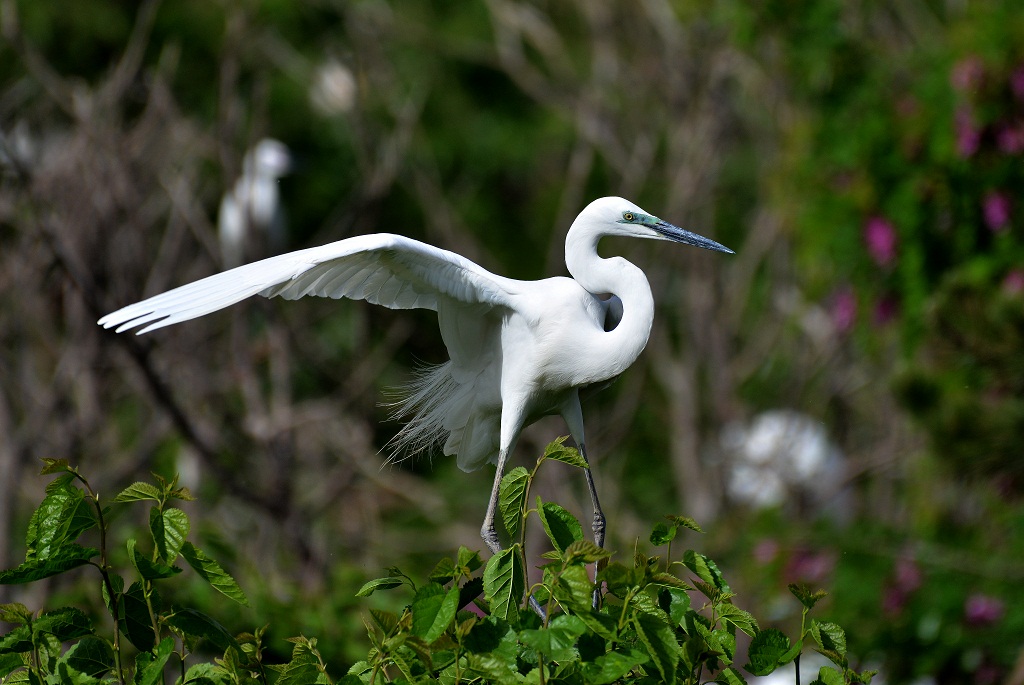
<point>389,270</point>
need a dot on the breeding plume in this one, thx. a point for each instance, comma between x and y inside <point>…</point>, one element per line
<point>519,350</point>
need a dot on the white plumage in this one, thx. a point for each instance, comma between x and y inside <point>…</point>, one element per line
<point>251,211</point>
<point>518,350</point>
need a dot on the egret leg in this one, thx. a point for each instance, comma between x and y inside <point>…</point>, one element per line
<point>599,523</point>
<point>488,531</point>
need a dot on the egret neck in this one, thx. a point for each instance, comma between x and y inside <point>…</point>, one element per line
<point>620,346</point>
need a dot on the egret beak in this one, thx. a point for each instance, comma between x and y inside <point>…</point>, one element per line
<point>679,235</point>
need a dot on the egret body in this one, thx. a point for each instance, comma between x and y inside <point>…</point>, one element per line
<point>253,205</point>
<point>519,350</point>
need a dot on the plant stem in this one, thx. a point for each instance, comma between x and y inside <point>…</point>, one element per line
<point>104,572</point>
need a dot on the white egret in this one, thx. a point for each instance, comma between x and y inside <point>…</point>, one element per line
<point>253,205</point>
<point>519,350</point>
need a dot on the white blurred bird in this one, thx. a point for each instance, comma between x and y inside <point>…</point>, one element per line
<point>519,350</point>
<point>251,211</point>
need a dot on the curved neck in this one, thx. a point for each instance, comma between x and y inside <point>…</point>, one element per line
<point>613,276</point>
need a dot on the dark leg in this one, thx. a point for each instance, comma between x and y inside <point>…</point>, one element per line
<point>599,523</point>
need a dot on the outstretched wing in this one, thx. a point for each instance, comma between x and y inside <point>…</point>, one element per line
<point>389,270</point>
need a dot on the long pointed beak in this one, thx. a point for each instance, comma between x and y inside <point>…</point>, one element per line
<point>679,235</point>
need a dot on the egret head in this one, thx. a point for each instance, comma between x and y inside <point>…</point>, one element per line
<point>622,217</point>
<point>269,158</point>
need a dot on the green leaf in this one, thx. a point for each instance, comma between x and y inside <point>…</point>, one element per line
<point>806,596</point>
<point>735,616</point>
<point>117,584</point>
<point>557,640</point>
<point>387,621</point>
<point>421,649</point>
<point>567,455</point>
<point>17,641</point>
<point>863,677</point>
<point>669,580</point>
<point>137,625</point>
<point>470,591</point>
<point>61,517</point>
<point>444,571</point>
<point>305,665</point>
<point>9,663</point>
<point>372,586</point>
<point>830,637</point>
<point>15,613</point>
<point>830,676</point>
<point>662,534</point>
<point>67,675</point>
<point>660,640</point>
<point>197,624</point>
<point>468,560</point>
<point>212,573</point>
<point>585,551</point>
<point>792,654</point>
<point>562,527</point>
<point>601,624</point>
<point>207,674</point>
<point>505,583</point>
<point>766,651</point>
<point>149,666</point>
<point>65,624</point>
<point>90,655</point>
<point>139,491</point>
<point>169,529</point>
<point>181,493</point>
<point>674,602</point>
<point>619,578</point>
<point>433,610</point>
<point>51,466</point>
<point>612,666</point>
<point>685,522</point>
<point>574,588</point>
<point>730,676</point>
<point>149,570</point>
<point>494,668</point>
<point>512,499</point>
<point>705,569</point>
<point>487,635</point>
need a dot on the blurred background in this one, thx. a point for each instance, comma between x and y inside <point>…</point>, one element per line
<point>841,403</point>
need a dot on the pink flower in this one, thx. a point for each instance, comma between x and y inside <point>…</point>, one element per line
<point>1017,82</point>
<point>968,136</point>
<point>886,309</point>
<point>908,575</point>
<point>810,566</point>
<point>996,208</point>
<point>765,551</point>
<point>1010,138</point>
<point>844,309</point>
<point>983,610</point>
<point>893,601</point>
<point>1013,283</point>
<point>966,74</point>
<point>880,237</point>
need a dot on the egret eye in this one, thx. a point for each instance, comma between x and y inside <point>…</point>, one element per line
<point>628,216</point>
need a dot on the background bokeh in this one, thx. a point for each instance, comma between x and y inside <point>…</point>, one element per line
<point>842,402</point>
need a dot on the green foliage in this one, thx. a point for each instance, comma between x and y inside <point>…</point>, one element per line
<point>469,622</point>
<point>644,625</point>
<point>162,634</point>
<point>907,218</point>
